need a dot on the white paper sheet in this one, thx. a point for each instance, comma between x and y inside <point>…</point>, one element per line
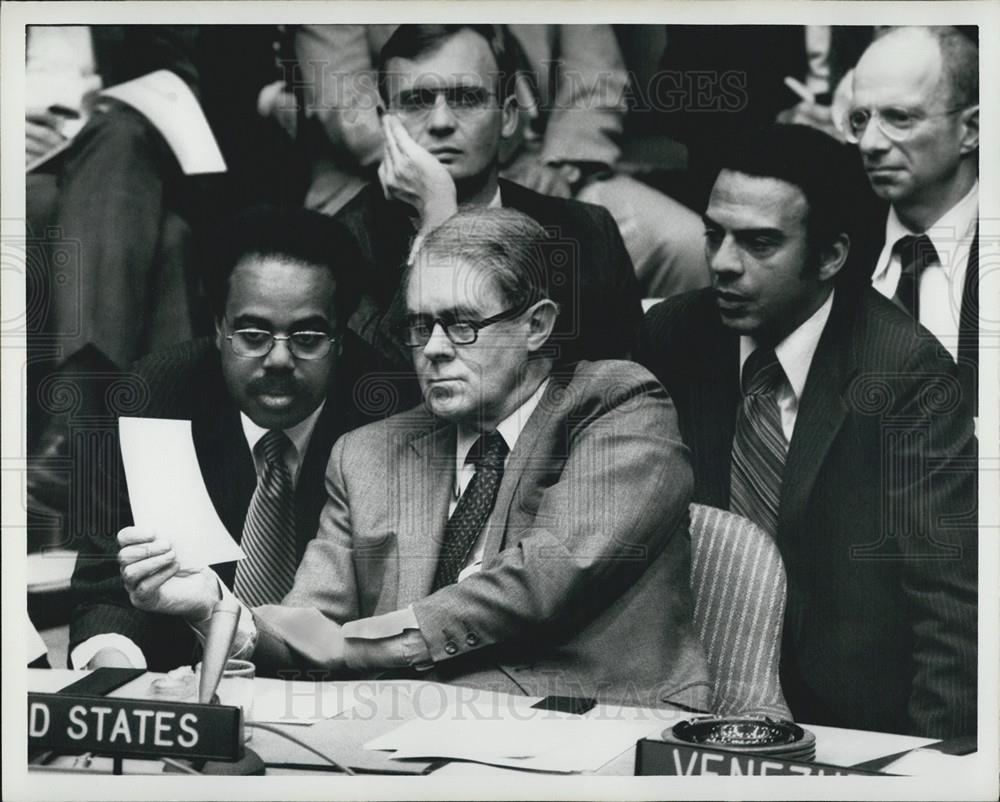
<point>168,103</point>
<point>299,701</point>
<point>167,492</point>
<point>544,743</point>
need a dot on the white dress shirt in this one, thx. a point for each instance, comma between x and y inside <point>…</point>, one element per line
<point>942,284</point>
<point>299,435</point>
<point>795,353</point>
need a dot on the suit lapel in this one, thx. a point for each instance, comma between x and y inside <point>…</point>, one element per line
<point>227,468</point>
<point>716,400</point>
<point>821,414</point>
<point>426,479</point>
<point>523,458</point>
<point>310,491</point>
<point>968,327</point>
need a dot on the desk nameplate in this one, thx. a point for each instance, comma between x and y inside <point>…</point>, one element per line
<point>134,727</point>
<point>656,758</point>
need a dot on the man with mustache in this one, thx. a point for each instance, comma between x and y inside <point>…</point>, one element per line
<point>524,530</point>
<point>915,119</point>
<point>266,400</point>
<point>812,407</point>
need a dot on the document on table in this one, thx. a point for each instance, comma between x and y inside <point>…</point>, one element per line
<point>543,743</point>
<point>167,492</point>
<point>299,701</point>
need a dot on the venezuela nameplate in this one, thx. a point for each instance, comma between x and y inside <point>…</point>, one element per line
<point>662,758</point>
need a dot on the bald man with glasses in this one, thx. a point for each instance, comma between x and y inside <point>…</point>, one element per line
<point>915,119</point>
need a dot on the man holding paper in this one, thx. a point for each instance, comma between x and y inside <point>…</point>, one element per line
<point>523,531</point>
<point>265,401</point>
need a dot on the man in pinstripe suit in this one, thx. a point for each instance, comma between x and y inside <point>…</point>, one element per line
<point>264,373</point>
<point>851,443</point>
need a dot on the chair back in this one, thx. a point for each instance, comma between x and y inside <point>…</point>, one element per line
<point>738,583</point>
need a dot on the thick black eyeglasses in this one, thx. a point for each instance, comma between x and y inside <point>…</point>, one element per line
<point>256,343</point>
<point>416,330</point>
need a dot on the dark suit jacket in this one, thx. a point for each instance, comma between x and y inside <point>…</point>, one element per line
<point>871,240</point>
<point>585,584</point>
<point>877,522</point>
<point>185,382</point>
<point>590,272</point>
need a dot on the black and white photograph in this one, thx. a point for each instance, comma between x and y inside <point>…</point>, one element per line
<point>474,400</point>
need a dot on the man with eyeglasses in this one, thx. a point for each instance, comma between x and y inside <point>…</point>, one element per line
<point>266,401</point>
<point>449,112</point>
<point>524,530</point>
<point>915,118</point>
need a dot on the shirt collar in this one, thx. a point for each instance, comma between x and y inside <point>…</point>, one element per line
<point>299,434</point>
<point>958,223</point>
<point>496,202</point>
<point>795,352</point>
<point>510,429</point>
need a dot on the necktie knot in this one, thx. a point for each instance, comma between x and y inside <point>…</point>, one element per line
<point>489,451</point>
<point>273,445</point>
<point>916,252</point>
<point>762,372</point>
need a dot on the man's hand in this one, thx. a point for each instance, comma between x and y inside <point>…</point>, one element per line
<point>155,581</point>
<point>41,135</point>
<point>109,658</point>
<point>411,174</point>
<point>548,179</point>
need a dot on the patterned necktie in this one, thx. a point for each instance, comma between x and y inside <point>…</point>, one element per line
<point>474,507</point>
<point>759,445</point>
<point>915,254</point>
<point>266,574</point>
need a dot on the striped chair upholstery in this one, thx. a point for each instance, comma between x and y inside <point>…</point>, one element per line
<point>738,583</point>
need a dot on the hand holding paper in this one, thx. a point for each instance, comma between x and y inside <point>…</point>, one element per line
<point>155,582</point>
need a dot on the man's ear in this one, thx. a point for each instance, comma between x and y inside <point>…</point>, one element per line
<point>541,322</point>
<point>970,131</point>
<point>220,338</point>
<point>833,257</point>
<point>508,116</point>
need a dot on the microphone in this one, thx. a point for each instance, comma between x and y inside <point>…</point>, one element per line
<point>218,643</point>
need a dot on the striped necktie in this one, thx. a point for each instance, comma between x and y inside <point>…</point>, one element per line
<point>759,444</point>
<point>915,255</point>
<point>266,574</point>
<point>474,507</point>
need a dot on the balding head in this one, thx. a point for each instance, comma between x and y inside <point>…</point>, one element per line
<point>915,116</point>
<point>955,56</point>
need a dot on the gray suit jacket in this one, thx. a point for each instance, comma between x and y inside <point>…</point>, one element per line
<point>585,582</point>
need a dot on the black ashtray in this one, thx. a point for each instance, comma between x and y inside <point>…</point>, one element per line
<point>738,732</point>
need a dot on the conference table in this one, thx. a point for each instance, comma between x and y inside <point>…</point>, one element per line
<point>339,718</point>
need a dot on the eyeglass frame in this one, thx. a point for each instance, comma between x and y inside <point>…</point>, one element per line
<point>396,107</point>
<point>288,338</point>
<point>877,115</point>
<point>405,327</point>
